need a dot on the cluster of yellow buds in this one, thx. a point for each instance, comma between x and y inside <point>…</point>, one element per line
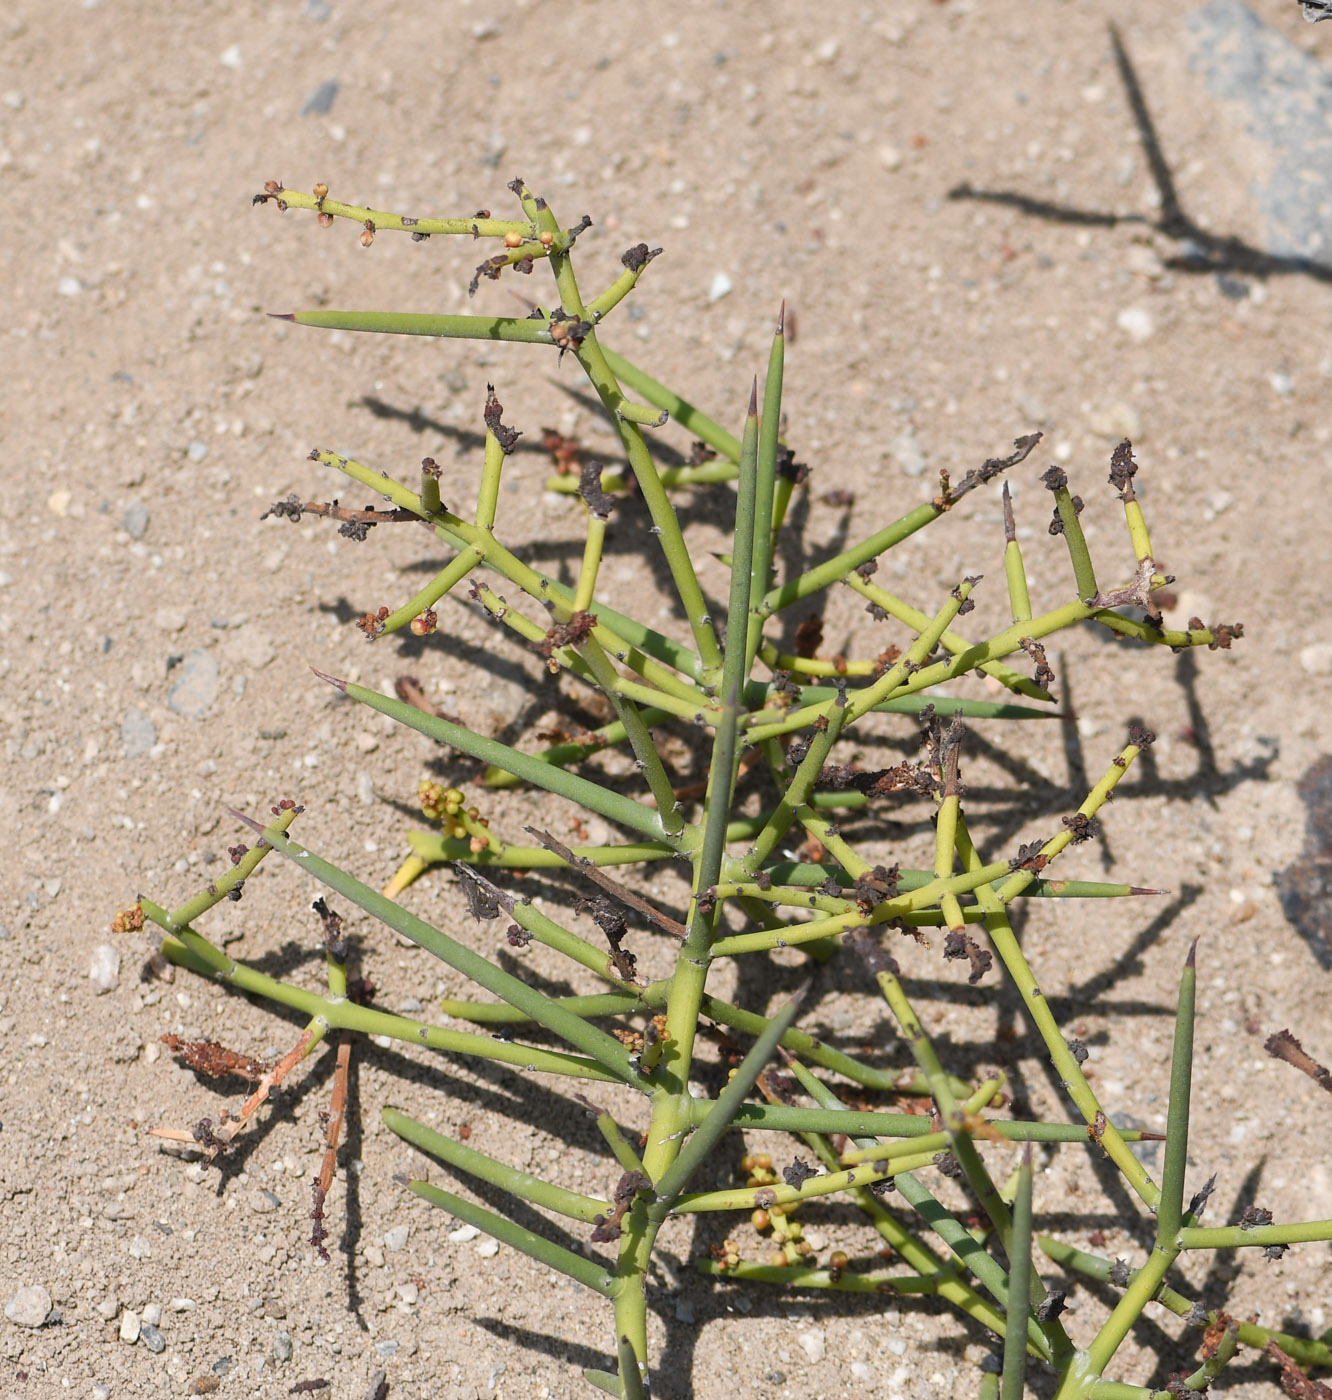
<point>445,805</point>
<point>786,1232</point>
<point>727,1254</point>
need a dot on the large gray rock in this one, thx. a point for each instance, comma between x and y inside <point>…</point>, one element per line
<point>1283,98</point>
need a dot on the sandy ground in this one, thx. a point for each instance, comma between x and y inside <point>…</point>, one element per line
<point>150,412</point>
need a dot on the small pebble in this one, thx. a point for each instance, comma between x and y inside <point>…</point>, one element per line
<point>129,1326</point>
<point>719,286</point>
<point>388,1348</point>
<point>137,733</point>
<point>152,1338</point>
<point>318,10</point>
<point>196,689</point>
<point>152,1314</point>
<point>464,1233</point>
<point>140,1247</point>
<point>860,1371</point>
<point>1282,384</point>
<point>488,1249</point>
<point>684,1310</point>
<point>906,451</point>
<point>197,450</point>
<point>108,1307</point>
<point>1136,322</point>
<point>183,1305</point>
<point>170,619</point>
<point>409,1293</point>
<point>101,1392</point>
<point>104,974</point>
<point>812,1344</point>
<point>136,520</point>
<point>282,1346</point>
<point>29,1307</point>
<point>890,157</point>
<point>263,1202</point>
<point>320,101</point>
<point>1316,659</point>
<point>396,1238</point>
<point>230,57</point>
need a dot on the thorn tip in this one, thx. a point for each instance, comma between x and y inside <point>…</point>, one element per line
<point>332,680</point>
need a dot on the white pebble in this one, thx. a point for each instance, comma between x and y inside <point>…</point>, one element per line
<point>152,1314</point>
<point>1282,384</point>
<point>488,1249</point>
<point>230,57</point>
<point>719,286</point>
<point>1316,659</point>
<point>464,1233</point>
<point>1136,322</point>
<point>890,157</point>
<point>812,1344</point>
<point>129,1326</point>
<point>69,286</point>
<point>396,1238</point>
<point>104,974</point>
<point>29,1307</point>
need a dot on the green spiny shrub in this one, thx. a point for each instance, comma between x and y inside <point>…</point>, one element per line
<point>771,719</point>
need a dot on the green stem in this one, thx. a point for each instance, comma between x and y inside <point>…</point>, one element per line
<point>591,1274</point>
<point>608,804</point>
<point>484,1168</point>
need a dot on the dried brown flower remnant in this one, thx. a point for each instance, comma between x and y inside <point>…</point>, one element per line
<point>565,451</point>
<point>607,1227</point>
<point>567,634</point>
<point>1122,470</point>
<point>372,624</point>
<point>589,488</point>
<point>809,636</point>
<point>1044,671</point>
<point>216,1061</point>
<point>128,920</point>
<point>1029,857</point>
<point>1082,827</point>
<point>876,885</point>
<point>493,414</point>
<point>1283,1046</point>
<point>639,256</point>
<point>959,944</point>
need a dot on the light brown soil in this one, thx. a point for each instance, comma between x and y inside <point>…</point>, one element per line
<point>807,153</point>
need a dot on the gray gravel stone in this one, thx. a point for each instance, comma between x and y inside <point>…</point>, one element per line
<point>1284,97</point>
<point>320,101</point>
<point>152,1337</point>
<point>396,1238</point>
<point>136,520</point>
<point>282,1346</point>
<point>29,1307</point>
<point>137,732</point>
<point>195,689</point>
<point>104,973</point>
